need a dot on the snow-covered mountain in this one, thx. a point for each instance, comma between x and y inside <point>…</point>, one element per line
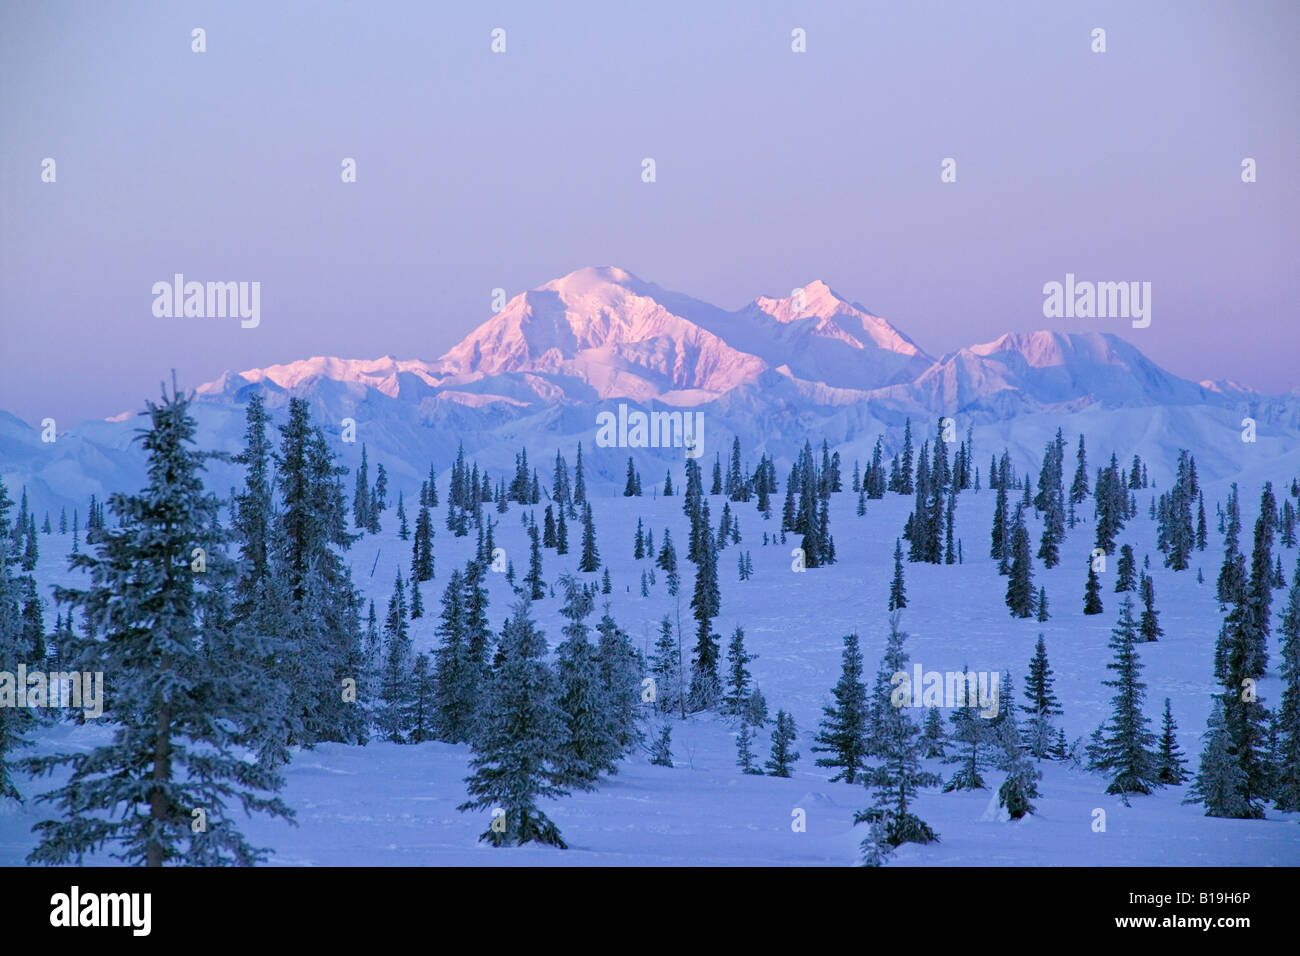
<point>774,372</point>
<point>1046,369</point>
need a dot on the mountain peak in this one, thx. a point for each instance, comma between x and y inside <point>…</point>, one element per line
<point>816,299</point>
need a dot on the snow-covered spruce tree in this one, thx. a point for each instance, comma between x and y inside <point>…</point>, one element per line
<point>897,589</point>
<point>1149,624</point>
<point>1042,703</point>
<point>1259,588</point>
<point>589,747</point>
<point>1020,584</point>
<point>933,737</point>
<point>1245,718</point>
<point>517,751</point>
<point>422,548</point>
<point>394,680</point>
<point>1126,751</point>
<point>738,679</point>
<point>177,676</point>
<point>455,677</point>
<point>661,752</point>
<point>15,722</point>
<point>536,586</point>
<point>1092,592</point>
<point>1220,782</point>
<point>745,748</point>
<point>620,683</point>
<point>423,709</point>
<point>706,686</point>
<point>361,493</point>
<point>1172,764</point>
<point>1287,785</point>
<point>1020,785</point>
<point>972,736</point>
<point>666,669</point>
<point>590,560</point>
<point>842,734</point>
<point>897,775</point>
<point>321,628</point>
<point>1125,570</point>
<point>783,754</point>
<point>261,599</point>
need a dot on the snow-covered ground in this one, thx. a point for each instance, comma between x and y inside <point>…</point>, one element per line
<point>393,804</point>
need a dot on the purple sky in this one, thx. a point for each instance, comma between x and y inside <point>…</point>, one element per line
<point>478,170</point>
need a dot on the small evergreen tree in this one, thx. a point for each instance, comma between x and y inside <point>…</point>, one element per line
<point>517,751</point>
<point>783,753</point>
<point>842,734</point>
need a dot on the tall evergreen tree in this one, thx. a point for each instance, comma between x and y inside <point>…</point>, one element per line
<point>183,697</point>
<point>842,734</point>
<point>1126,751</point>
<point>588,748</point>
<point>1172,765</point>
<point>1287,785</point>
<point>1020,584</point>
<point>783,754</point>
<point>738,678</point>
<point>897,589</point>
<point>706,686</point>
<point>517,751</point>
<point>1042,703</point>
<point>1092,592</point>
<point>454,680</point>
<point>590,560</point>
<point>898,775</point>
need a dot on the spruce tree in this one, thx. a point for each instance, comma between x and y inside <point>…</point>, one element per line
<point>1020,585</point>
<point>738,679</point>
<point>1126,751</point>
<point>588,748</point>
<point>454,689</point>
<point>666,669</point>
<point>1220,781</point>
<point>897,589</point>
<point>706,686</point>
<point>1287,785</point>
<point>1149,624</point>
<point>517,751</point>
<point>972,734</point>
<point>1092,592</point>
<point>536,586</point>
<point>590,560</point>
<point>661,753</point>
<point>783,754</point>
<point>394,689</point>
<point>1125,570</point>
<point>620,683</point>
<point>1042,703</point>
<point>1172,765</point>
<point>842,734</point>
<point>183,689</point>
<point>933,737</point>
<point>897,776</point>
<point>15,722</point>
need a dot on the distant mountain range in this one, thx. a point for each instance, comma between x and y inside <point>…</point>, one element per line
<point>812,364</point>
<point>602,333</point>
